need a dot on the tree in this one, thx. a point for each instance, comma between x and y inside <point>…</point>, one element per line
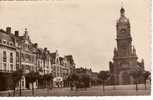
<point>136,75</point>
<point>16,77</point>
<point>146,74</point>
<point>85,79</point>
<point>32,77</point>
<point>48,78</point>
<point>72,78</point>
<point>112,77</point>
<point>103,75</point>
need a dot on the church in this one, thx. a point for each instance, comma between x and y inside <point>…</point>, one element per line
<point>125,56</point>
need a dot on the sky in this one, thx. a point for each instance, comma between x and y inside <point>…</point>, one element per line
<point>85,29</point>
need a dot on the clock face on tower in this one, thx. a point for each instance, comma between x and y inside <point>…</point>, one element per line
<point>123,31</point>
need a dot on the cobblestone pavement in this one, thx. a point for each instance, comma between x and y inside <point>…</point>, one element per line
<point>121,90</point>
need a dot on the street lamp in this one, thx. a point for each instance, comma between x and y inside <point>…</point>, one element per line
<point>20,67</point>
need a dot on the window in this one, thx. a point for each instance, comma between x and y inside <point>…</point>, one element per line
<point>17,84</point>
<point>0,41</point>
<point>22,83</point>
<point>4,56</point>
<point>7,43</point>
<point>17,66</point>
<point>17,57</point>
<point>36,83</point>
<point>4,42</point>
<point>11,66</point>
<point>11,57</point>
<point>11,44</point>
<point>22,57</point>
<point>4,66</point>
<point>28,46</point>
<point>38,63</point>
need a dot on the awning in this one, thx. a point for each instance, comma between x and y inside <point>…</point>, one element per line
<point>58,79</point>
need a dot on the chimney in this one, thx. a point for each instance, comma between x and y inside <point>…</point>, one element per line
<point>8,30</point>
<point>36,45</point>
<point>45,49</point>
<point>16,33</point>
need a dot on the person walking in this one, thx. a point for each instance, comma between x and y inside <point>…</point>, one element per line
<point>71,85</point>
<point>9,92</point>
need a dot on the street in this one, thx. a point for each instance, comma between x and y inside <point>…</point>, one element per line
<point>121,90</point>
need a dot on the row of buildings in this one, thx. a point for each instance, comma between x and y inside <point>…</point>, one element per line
<point>20,52</point>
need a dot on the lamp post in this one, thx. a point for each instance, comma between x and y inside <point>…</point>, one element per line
<point>20,67</point>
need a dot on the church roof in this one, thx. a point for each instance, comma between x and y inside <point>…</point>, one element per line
<point>5,36</point>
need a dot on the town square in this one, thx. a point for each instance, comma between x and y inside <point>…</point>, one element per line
<point>64,49</point>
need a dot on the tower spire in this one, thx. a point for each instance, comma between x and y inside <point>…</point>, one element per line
<point>122,11</point>
<point>121,4</point>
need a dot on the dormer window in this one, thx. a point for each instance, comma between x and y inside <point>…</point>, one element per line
<point>4,41</point>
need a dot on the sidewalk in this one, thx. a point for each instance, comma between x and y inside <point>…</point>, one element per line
<point>120,90</point>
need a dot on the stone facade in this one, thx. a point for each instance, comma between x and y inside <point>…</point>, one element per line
<point>7,56</point>
<point>7,51</point>
<point>26,56</point>
<point>125,57</point>
<point>61,68</point>
<point>70,63</point>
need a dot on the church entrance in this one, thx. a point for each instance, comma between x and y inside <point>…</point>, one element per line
<point>124,78</point>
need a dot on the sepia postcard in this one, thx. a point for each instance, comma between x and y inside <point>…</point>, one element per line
<point>53,48</point>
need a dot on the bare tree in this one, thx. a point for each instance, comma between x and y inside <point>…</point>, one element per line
<point>136,75</point>
<point>32,77</point>
<point>146,75</point>
<point>16,77</point>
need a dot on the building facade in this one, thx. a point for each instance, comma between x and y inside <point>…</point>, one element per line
<point>19,52</point>
<point>7,51</point>
<point>70,63</point>
<point>125,57</point>
<point>61,68</point>
<point>7,56</point>
<point>26,56</point>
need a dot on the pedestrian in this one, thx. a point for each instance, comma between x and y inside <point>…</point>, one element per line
<point>9,92</point>
<point>77,85</point>
<point>71,85</point>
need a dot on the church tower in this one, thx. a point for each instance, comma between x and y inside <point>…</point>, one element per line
<point>125,57</point>
<point>124,38</point>
<point>125,54</point>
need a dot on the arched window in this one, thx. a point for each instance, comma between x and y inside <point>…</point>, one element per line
<point>4,41</point>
